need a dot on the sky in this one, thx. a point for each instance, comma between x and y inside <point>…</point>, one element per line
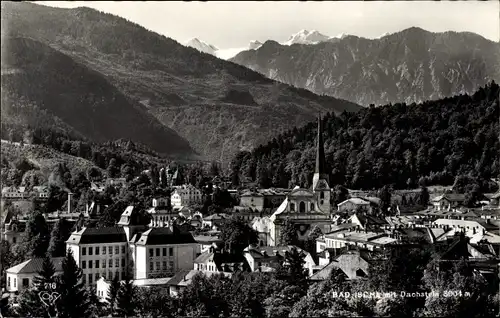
<point>236,23</point>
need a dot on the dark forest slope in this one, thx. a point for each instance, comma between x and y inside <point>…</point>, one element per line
<point>403,145</point>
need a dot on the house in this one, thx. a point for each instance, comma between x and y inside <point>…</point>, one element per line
<point>357,237</point>
<point>21,276</point>
<point>186,195</point>
<point>476,230</point>
<point>14,193</point>
<point>367,222</point>
<point>41,192</point>
<point>97,187</point>
<point>184,278</point>
<point>216,260</point>
<point>205,242</point>
<point>214,221</point>
<point>116,182</point>
<point>354,205</point>
<point>265,258</point>
<point>448,201</point>
<point>161,215</point>
<point>257,200</point>
<point>13,227</point>
<point>355,264</point>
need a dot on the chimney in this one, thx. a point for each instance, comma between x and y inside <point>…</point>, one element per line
<point>69,202</point>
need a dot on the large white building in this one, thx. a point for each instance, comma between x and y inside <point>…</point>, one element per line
<point>100,252</point>
<point>186,195</point>
<point>131,248</point>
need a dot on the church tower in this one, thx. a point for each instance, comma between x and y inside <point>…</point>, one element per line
<point>320,179</point>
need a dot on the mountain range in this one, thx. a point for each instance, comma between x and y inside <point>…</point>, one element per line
<point>127,76</point>
<point>224,54</point>
<point>413,65</point>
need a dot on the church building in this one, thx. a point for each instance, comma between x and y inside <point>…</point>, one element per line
<point>306,208</point>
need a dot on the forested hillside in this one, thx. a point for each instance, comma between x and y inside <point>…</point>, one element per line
<point>400,145</point>
<point>41,87</point>
<point>219,107</point>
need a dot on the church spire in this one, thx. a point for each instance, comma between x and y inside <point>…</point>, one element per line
<point>320,151</point>
<point>320,169</point>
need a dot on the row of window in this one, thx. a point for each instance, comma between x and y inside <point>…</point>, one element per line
<point>25,282</point>
<point>94,277</point>
<point>164,252</point>
<point>97,263</point>
<point>99,249</point>
<point>164,263</point>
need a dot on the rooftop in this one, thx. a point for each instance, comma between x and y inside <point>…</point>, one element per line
<point>98,236</point>
<point>165,236</point>
<point>35,265</point>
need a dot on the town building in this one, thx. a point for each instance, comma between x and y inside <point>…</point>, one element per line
<point>41,192</point>
<point>160,252</point>
<point>21,276</point>
<point>354,236</point>
<point>217,260</point>
<point>448,201</point>
<point>161,214</point>
<point>306,208</point>
<point>184,278</point>
<point>268,258</point>
<point>186,195</point>
<point>354,205</point>
<point>14,193</point>
<point>258,200</point>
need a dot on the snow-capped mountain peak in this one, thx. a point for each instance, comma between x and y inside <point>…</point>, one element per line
<point>201,46</point>
<point>224,54</point>
<point>306,37</point>
<point>254,44</point>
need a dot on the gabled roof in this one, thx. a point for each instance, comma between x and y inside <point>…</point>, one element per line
<point>35,265</point>
<point>357,201</point>
<point>165,236</point>
<point>184,277</point>
<point>216,217</point>
<point>98,235</point>
<point>453,197</point>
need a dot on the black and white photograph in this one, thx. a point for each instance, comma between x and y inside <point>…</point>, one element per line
<point>250,159</point>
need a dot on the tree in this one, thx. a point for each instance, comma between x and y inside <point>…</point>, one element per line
<point>473,196</point>
<point>74,300</point>
<point>126,299</point>
<point>214,169</point>
<point>288,234</point>
<point>280,179</point>
<point>237,235</point>
<point>58,237</point>
<point>339,194</point>
<point>93,174</point>
<point>156,302</point>
<point>384,195</point>
<point>35,240</point>
<point>472,294</point>
<point>262,174</point>
<point>292,270</point>
<point>424,196</point>
<point>112,169</point>
<point>112,295</point>
<point>320,302</point>
<point>281,302</point>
